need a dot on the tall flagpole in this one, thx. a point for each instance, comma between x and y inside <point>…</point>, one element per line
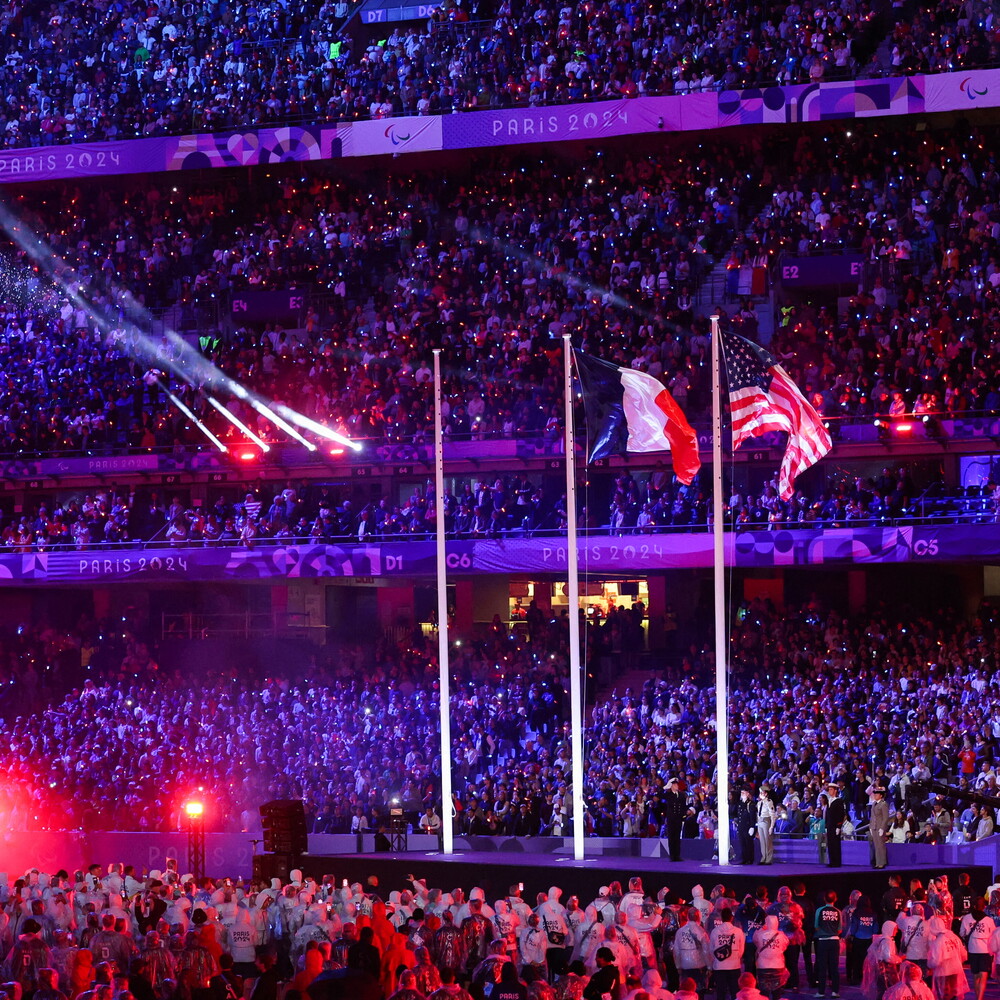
<point>444,687</point>
<point>721,635</point>
<point>573,595</point>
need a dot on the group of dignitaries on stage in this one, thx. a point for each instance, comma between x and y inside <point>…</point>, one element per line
<point>171,937</point>
<point>758,819</point>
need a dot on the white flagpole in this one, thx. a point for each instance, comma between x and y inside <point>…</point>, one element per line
<point>447,820</point>
<point>721,635</point>
<point>573,595</point>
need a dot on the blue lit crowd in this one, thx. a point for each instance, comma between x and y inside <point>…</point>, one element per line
<point>809,688</point>
<point>437,258</point>
<point>128,70</point>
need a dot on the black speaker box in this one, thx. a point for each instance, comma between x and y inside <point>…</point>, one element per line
<point>269,866</point>
<point>284,823</point>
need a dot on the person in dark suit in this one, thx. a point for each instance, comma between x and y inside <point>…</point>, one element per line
<point>746,819</point>
<point>675,806</point>
<point>149,908</point>
<point>836,813</point>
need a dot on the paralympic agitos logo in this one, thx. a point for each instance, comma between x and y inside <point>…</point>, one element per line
<point>971,92</point>
<point>396,139</point>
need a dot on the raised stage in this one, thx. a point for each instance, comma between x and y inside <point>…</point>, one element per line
<point>494,861</point>
<point>495,872</point>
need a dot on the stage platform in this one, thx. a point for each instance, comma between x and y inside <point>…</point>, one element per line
<point>495,872</point>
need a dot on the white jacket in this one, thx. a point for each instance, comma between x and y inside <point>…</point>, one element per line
<point>912,936</point>
<point>771,944</point>
<point>977,933</point>
<point>533,944</point>
<point>946,952</point>
<point>552,915</point>
<point>727,936</point>
<point>644,926</point>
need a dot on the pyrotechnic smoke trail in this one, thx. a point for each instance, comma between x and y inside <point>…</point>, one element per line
<point>187,364</point>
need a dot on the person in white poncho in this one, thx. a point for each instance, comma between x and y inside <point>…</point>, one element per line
<point>881,965</point>
<point>945,956</point>
<point>911,985</point>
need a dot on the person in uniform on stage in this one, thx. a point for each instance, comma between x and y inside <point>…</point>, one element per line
<point>765,824</point>
<point>675,803</point>
<point>836,813</point>
<point>878,828</point>
<point>746,821</point>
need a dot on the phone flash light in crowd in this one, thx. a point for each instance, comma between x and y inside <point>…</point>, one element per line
<point>194,809</point>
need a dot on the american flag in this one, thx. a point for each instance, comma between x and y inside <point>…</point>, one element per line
<point>762,399</point>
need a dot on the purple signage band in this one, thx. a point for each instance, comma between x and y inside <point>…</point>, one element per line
<point>834,100</point>
<point>187,152</point>
<point>636,553</point>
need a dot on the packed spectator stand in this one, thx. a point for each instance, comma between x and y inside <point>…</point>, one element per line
<point>809,689</point>
<point>429,259</point>
<point>506,506</point>
<point>120,71</point>
<point>493,261</point>
<point>437,259</point>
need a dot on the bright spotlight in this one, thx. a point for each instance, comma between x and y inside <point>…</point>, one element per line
<point>239,425</point>
<point>265,411</point>
<point>306,423</point>
<point>190,415</point>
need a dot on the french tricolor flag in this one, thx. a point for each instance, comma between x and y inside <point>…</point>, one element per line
<point>631,412</point>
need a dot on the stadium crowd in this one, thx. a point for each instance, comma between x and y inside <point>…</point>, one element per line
<point>490,507</point>
<point>493,265</point>
<point>164,935</point>
<point>441,259</point>
<point>303,513</point>
<point>127,70</point>
<point>809,690</point>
